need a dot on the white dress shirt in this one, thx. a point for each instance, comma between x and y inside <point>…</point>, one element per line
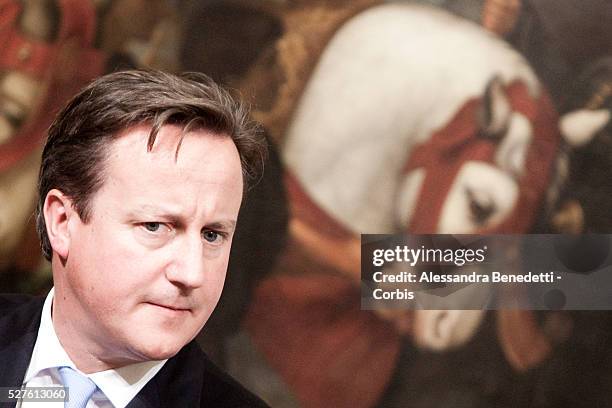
<point>116,387</point>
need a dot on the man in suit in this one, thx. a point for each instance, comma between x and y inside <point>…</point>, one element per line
<point>141,181</point>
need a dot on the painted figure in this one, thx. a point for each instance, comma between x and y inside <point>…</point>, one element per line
<point>412,120</point>
<point>52,48</point>
<point>48,54</point>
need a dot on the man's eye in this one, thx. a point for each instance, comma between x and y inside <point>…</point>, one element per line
<point>152,226</point>
<point>211,236</point>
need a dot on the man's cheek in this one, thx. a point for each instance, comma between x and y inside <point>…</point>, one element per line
<point>211,294</point>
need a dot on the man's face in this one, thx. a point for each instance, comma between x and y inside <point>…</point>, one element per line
<point>143,275</point>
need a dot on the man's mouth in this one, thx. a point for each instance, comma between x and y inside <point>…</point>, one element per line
<point>171,307</point>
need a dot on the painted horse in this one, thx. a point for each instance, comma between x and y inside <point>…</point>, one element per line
<point>413,120</point>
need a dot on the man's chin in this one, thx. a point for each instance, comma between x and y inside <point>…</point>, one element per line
<point>159,350</point>
<point>140,352</point>
<point>152,345</point>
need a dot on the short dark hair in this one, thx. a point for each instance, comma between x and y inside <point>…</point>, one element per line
<point>74,154</point>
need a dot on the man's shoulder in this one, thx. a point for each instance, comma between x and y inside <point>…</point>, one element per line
<point>12,301</point>
<point>227,390</point>
<point>18,314</point>
<point>216,388</point>
<point>19,321</point>
<point>18,308</point>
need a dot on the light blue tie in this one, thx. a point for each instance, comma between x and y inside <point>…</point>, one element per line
<point>80,388</point>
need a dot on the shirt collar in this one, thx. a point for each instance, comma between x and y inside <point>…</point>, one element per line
<point>120,385</point>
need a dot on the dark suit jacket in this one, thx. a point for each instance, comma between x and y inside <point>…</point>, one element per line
<point>188,379</point>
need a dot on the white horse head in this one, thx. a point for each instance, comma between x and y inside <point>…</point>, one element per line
<point>416,120</point>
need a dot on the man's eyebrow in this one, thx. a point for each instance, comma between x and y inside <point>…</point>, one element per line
<point>175,216</point>
<point>228,225</point>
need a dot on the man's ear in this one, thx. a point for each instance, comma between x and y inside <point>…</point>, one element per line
<point>57,211</point>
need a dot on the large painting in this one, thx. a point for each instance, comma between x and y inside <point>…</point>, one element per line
<point>446,116</point>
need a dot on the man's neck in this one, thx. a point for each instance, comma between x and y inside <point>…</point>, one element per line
<point>83,351</point>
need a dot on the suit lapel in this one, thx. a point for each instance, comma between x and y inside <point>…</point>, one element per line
<point>145,399</point>
<point>148,397</point>
<point>178,383</point>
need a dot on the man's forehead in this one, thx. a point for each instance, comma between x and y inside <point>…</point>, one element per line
<point>176,144</point>
<point>169,136</point>
<point>162,181</point>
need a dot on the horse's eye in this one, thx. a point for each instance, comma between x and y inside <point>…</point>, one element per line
<point>12,116</point>
<point>481,205</point>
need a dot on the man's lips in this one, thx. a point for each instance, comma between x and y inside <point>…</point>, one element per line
<point>179,308</point>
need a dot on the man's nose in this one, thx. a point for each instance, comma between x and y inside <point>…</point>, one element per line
<point>187,267</point>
